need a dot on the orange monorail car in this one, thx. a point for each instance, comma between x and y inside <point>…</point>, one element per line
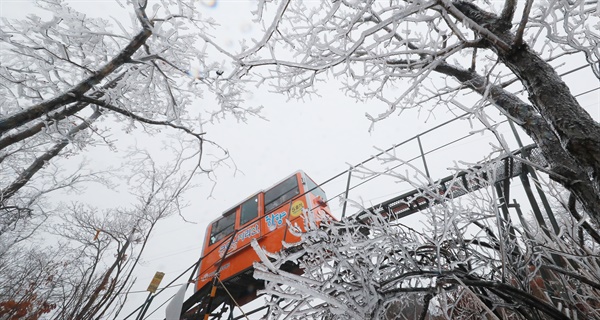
<point>266,217</point>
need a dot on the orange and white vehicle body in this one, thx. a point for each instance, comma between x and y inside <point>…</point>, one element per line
<point>266,217</point>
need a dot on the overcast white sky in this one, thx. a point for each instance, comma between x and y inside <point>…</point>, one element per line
<point>321,136</point>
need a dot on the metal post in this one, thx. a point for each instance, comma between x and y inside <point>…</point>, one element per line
<point>514,130</point>
<point>534,205</point>
<point>541,193</point>
<point>503,194</point>
<point>145,307</point>
<point>545,202</point>
<point>524,222</point>
<point>423,157</point>
<point>346,194</point>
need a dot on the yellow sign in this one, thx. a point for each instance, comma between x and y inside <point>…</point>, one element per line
<point>297,208</point>
<point>155,282</point>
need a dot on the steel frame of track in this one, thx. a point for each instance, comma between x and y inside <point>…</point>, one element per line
<point>475,178</point>
<point>492,173</point>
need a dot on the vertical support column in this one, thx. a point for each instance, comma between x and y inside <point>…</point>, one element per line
<point>537,212</point>
<point>503,195</point>
<point>524,222</point>
<point>531,171</point>
<point>544,200</point>
<point>423,157</point>
<point>502,189</point>
<point>145,307</point>
<point>515,133</point>
<point>347,192</point>
<point>534,205</point>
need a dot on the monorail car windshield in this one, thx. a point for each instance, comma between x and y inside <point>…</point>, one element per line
<point>266,217</point>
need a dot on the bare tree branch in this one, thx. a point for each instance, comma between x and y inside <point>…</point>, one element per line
<point>508,11</point>
<point>131,115</point>
<point>521,29</point>
<point>35,111</point>
<point>39,163</point>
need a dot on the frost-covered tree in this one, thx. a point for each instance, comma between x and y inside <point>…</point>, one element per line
<point>70,80</point>
<point>80,263</point>
<point>472,262</point>
<point>467,261</point>
<point>410,54</point>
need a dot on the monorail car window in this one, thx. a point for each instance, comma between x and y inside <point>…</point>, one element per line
<point>311,184</point>
<point>281,193</point>
<point>222,227</point>
<point>249,210</point>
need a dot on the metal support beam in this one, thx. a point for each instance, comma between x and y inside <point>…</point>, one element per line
<point>347,192</point>
<point>534,205</point>
<point>423,157</point>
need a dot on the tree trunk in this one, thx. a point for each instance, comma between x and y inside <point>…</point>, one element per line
<point>567,135</point>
